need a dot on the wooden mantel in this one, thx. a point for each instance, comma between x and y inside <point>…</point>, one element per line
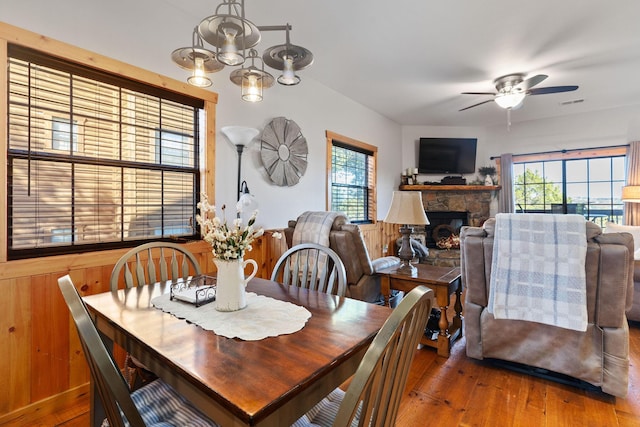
<point>420,187</point>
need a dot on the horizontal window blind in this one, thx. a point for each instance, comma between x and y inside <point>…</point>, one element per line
<point>94,160</point>
<point>352,181</point>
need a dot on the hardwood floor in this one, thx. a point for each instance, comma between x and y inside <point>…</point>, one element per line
<point>459,391</point>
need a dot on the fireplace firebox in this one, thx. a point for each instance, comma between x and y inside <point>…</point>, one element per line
<point>442,225</point>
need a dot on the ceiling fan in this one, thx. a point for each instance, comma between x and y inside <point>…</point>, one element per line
<point>512,89</point>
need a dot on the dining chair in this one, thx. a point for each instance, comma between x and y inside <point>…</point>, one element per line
<point>156,403</point>
<point>312,266</point>
<point>374,394</point>
<point>147,259</point>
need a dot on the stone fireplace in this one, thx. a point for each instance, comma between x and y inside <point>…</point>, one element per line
<point>449,207</point>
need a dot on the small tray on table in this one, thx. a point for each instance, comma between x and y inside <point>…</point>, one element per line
<point>198,290</point>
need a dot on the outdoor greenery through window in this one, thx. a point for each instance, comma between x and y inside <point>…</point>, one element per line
<point>353,171</point>
<point>587,186</point>
<point>95,160</point>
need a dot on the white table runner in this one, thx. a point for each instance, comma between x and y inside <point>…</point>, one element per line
<point>262,317</point>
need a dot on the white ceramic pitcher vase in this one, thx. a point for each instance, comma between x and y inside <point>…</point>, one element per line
<point>231,283</point>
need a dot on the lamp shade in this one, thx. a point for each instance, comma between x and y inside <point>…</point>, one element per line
<point>406,208</point>
<point>239,135</point>
<point>631,194</point>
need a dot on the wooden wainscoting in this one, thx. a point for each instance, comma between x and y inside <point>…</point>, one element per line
<point>42,361</point>
<point>380,238</point>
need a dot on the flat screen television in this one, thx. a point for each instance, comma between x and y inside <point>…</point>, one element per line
<point>455,156</point>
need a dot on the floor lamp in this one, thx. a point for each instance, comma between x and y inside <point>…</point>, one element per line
<point>406,209</point>
<point>240,137</point>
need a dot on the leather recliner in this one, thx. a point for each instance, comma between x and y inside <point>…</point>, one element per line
<point>634,312</point>
<point>347,241</point>
<point>599,356</point>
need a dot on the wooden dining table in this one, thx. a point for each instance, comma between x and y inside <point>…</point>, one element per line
<point>269,382</point>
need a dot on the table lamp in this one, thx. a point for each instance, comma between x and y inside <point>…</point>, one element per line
<point>631,193</point>
<point>406,209</point>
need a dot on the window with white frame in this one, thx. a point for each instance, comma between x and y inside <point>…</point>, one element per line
<point>132,176</point>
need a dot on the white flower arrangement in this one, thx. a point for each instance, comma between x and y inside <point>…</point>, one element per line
<point>228,241</point>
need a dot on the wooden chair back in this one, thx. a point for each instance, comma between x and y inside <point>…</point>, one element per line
<point>378,385</point>
<point>312,266</point>
<point>154,262</point>
<point>111,386</point>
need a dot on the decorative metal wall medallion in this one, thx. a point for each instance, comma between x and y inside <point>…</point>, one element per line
<point>284,151</point>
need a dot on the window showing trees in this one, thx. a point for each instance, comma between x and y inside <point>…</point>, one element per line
<point>353,177</point>
<point>590,186</point>
<point>95,160</point>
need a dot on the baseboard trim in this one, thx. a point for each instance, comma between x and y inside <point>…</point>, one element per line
<point>27,414</point>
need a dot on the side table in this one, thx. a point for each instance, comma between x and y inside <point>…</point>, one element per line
<point>444,281</point>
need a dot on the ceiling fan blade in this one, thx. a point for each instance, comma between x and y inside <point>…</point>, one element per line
<point>531,82</point>
<point>475,105</point>
<point>479,93</point>
<point>551,89</point>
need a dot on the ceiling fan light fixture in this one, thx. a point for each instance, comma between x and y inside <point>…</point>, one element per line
<point>510,100</point>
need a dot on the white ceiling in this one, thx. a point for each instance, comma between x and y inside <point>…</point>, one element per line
<point>409,60</point>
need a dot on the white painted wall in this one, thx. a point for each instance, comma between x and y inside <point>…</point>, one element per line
<point>595,129</point>
<point>589,130</point>
<point>316,109</point>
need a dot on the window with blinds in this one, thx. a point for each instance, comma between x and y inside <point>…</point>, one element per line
<point>353,181</point>
<point>95,160</point>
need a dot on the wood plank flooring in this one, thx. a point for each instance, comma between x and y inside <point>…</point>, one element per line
<point>459,391</point>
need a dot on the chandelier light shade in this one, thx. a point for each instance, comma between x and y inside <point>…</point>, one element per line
<point>289,58</point>
<point>232,35</point>
<point>197,59</point>
<point>229,32</point>
<point>406,209</point>
<point>631,194</point>
<point>252,80</point>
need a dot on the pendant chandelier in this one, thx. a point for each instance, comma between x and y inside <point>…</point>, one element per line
<point>234,38</point>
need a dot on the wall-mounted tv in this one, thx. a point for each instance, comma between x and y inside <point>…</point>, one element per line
<point>447,155</point>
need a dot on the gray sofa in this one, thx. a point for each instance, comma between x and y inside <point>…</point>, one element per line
<point>599,356</point>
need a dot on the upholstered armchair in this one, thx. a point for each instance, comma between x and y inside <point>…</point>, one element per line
<point>633,313</point>
<point>347,241</point>
<point>599,356</point>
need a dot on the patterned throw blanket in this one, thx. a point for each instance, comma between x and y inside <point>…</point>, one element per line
<point>314,227</point>
<point>538,269</point>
